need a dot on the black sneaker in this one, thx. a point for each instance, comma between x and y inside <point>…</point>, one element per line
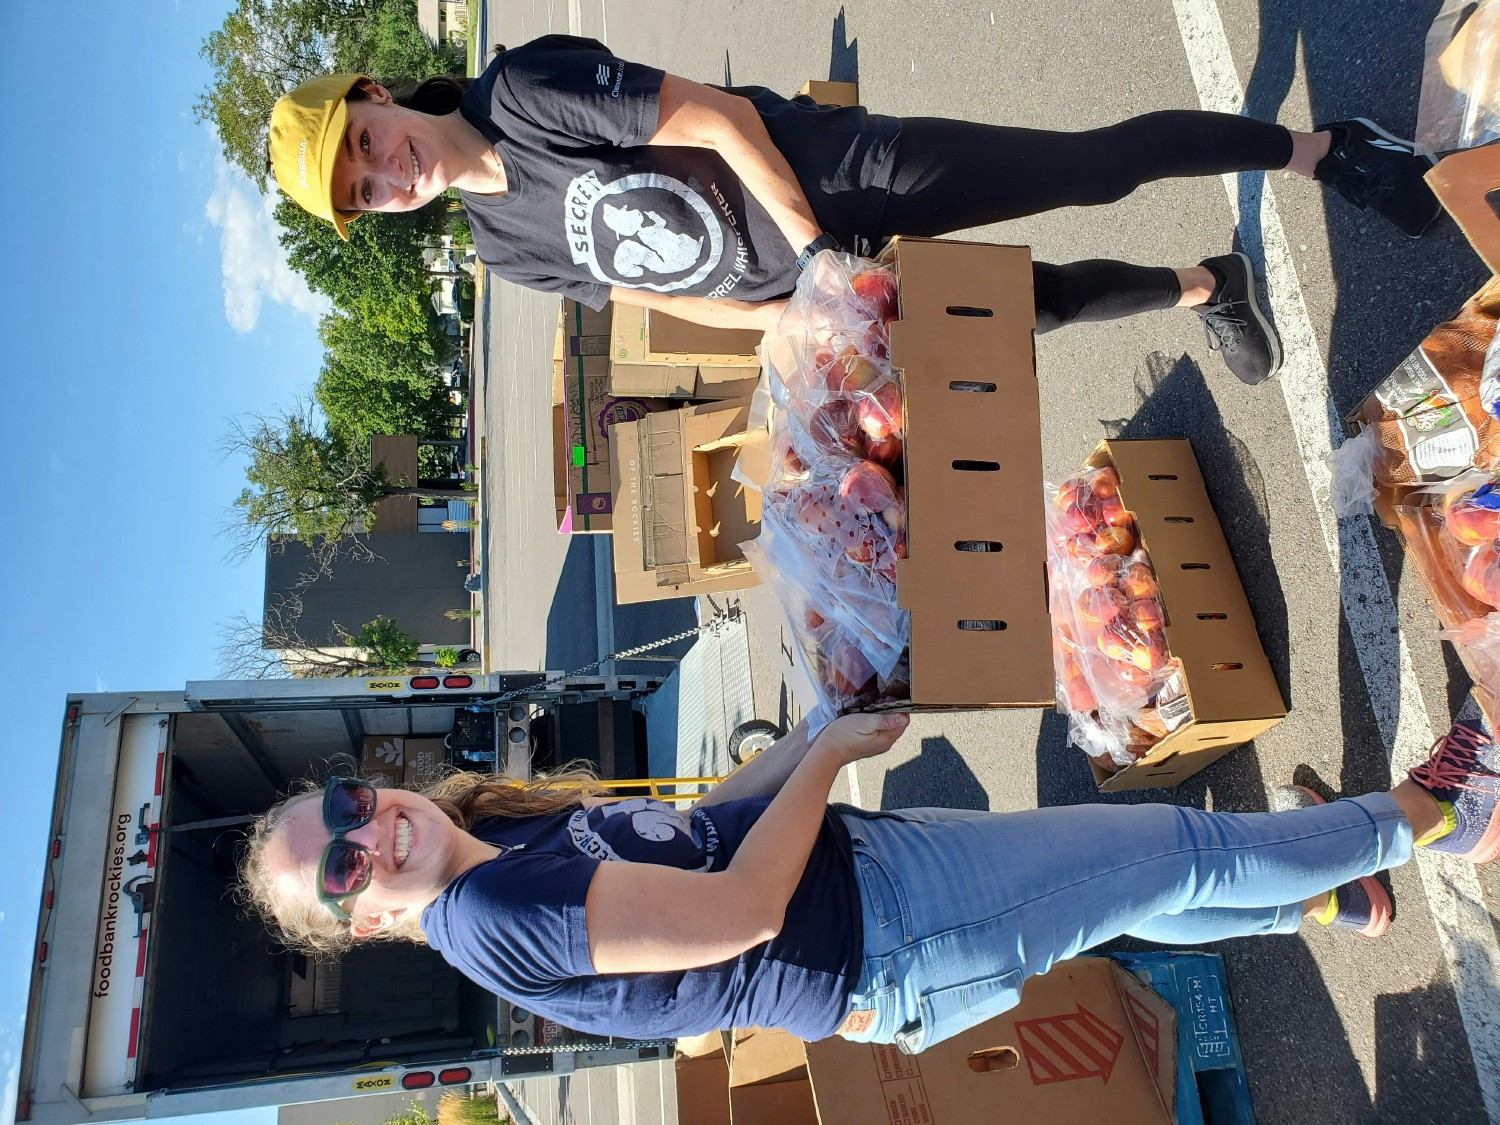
<point>1372,168</point>
<point>1234,323</point>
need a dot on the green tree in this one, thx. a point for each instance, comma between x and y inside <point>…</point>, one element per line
<point>390,45</point>
<point>310,484</point>
<point>388,642</point>
<point>373,383</point>
<point>378,275</point>
<point>263,49</point>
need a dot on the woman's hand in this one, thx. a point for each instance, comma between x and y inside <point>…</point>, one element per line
<point>852,737</point>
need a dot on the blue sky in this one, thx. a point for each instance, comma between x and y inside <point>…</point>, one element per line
<point>143,303</point>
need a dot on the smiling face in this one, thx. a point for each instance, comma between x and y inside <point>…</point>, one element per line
<point>415,851</point>
<point>393,158</point>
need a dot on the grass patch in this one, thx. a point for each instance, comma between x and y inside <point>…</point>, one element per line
<point>476,52</point>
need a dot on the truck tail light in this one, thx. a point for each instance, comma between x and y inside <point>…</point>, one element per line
<point>458,681</point>
<point>41,954</point>
<point>455,1074</point>
<point>417,1080</point>
<point>56,846</point>
<point>423,683</point>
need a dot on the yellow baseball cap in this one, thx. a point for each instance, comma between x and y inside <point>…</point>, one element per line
<point>307,127</point>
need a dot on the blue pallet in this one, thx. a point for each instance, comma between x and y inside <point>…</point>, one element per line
<point>1211,1084</point>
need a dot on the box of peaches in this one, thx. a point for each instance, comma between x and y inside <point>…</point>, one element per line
<point>897,447</point>
<point>1159,666</point>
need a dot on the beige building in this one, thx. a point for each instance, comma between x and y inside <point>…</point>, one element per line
<point>444,21</point>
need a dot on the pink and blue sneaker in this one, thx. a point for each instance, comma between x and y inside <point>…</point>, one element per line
<point>1463,775</point>
<point>1362,905</point>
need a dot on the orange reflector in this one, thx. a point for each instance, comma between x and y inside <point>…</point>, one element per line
<point>424,683</point>
<point>454,1074</point>
<point>458,681</point>
<point>417,1080</point>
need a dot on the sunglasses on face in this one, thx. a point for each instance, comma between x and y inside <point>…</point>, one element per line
<point>346,866</point>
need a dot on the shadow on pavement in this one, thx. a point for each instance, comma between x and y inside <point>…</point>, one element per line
<point>937,777</point>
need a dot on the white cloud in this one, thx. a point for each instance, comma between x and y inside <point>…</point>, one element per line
<point>254,262</point>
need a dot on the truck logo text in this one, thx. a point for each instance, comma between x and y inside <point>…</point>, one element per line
<point>109,914</point>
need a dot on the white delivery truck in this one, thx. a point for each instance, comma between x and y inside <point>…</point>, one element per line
<point>154,995</point>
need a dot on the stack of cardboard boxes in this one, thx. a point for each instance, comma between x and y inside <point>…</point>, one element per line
<point>1088,1042</point>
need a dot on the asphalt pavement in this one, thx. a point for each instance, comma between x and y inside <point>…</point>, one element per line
<point>1334,1028</point>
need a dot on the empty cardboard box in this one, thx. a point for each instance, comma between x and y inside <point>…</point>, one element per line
<point>1210,629</point>
<point>1468,185</point>
<point>658,356</point>
<point>974,577</point>
<point>680,516</point>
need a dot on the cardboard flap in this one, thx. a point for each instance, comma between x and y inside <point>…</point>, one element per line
<point>1468,185</point>
<point>974,577</point>
<point>669,334</point>
<point>1210,627</point>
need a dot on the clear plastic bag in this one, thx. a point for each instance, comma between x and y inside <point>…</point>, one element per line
<point>1479,637</point>
<point>1120,687</point>
<point>1460,101</point>
<point>1466,511</point>
<point>1351,489</point>
<point>833,512</point>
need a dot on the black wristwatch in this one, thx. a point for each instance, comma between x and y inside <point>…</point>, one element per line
<point>824,241</point>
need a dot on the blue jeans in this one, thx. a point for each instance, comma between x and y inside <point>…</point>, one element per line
<point>961,907</point>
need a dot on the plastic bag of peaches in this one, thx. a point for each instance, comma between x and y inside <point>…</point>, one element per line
<point>833,516</point>
<point>1120,687</point>
<point>1462,516</point>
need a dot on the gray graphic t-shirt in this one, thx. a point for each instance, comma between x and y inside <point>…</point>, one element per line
<point>590,205</point>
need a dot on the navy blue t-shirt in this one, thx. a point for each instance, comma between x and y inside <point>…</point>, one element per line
<point>516,925</point>
<point>589,204</point>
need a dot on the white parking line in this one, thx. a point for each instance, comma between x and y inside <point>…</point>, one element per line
<point>1464,931</point>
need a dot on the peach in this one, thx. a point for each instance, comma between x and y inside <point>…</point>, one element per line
<point>1150,617</point>
<point>1149,655</point>
<point>1114,540</point>
<point>1112,512</point>
<point>875,291</point>
<point>855,373</point>
<point>1106,570</point>
<point>834,427</point>
<point>1138,581</point>
<point>1101,605</point>
<point>1106,482</point>
<point>880,411</point>
<point>866,487</point>
<point>887,451</point>
<point>1473,525</point>
<point>1481,575</point>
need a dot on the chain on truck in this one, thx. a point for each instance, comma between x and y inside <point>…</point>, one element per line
<point>153,994</point>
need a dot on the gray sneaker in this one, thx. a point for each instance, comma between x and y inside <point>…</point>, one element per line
<point>1235,324</point>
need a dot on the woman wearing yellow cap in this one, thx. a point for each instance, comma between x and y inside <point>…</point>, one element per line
<point>586,174</point>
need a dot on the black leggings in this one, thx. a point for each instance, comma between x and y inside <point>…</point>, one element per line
<point>953,175</point>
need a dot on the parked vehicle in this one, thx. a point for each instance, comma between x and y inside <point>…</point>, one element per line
<point>153,995</point>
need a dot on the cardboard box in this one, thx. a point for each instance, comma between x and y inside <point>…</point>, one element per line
<point>401,761</point>
<point>590,412</point>
<point>1230,686</point>
<point>580,332</point>
<point>702,1080</point>
<point>1088,1043</point>
<point>974,577</point>
<point>768,1079</point>
<point>660,356</point>
<point>1468,185</point>
<point>681,517</point>
<point>831,93</point>
<point>425,761</point>
<point>382,758</point>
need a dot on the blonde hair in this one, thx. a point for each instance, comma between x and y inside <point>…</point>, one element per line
<point>299,921</point>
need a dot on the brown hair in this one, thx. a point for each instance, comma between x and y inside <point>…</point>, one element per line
<point>303,923</point>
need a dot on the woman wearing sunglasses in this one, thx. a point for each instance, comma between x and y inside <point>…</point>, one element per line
<point>603,179</point>
<point>765,906</point>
